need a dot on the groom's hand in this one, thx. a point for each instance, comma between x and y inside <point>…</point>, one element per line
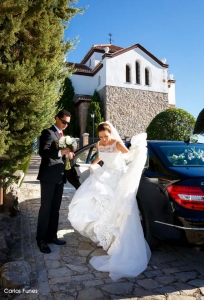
<point>65,151</point>
<point>71,155</point>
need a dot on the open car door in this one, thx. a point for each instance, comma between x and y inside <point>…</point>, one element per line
<point>82,161</point>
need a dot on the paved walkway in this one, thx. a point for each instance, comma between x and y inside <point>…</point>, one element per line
<point>174,272</point>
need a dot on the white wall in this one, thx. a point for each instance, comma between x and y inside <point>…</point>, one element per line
<point>87,84</point>
<point>113,73</point>
<point>116,71</point>
<point>82,84</point>
<point>172,93</point>
<point>94,60</point>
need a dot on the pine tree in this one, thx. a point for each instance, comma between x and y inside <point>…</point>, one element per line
<point>95,106</point>
<point>66,102</point>
<point>32,69</point>
<point>199,125</point>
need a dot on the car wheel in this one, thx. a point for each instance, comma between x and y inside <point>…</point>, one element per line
<point>151,240</point>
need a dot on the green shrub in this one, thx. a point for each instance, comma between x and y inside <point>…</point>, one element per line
<point>171,124</point>
<point>199,125</point>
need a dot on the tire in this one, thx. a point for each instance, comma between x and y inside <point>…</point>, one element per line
<point>151,240</point>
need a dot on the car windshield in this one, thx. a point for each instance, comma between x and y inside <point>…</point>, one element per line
<point>184,155</point>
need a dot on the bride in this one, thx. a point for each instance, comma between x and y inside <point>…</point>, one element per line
<point>104,208</point>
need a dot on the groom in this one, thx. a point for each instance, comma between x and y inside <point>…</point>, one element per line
<point>52,178</point>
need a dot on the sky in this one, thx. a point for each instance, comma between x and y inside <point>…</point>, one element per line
<point>168,29</point>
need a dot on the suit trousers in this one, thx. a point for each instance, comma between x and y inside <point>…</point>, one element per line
<point>48,217</point>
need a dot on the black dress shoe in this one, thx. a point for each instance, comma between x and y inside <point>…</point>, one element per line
<point>56,241</point>
<point>43,247</point>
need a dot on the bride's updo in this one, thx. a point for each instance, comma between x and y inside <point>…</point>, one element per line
<point>104,126</point>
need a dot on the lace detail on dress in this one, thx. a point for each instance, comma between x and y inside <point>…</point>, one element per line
<point>109,148</point>
<point>104,230</point>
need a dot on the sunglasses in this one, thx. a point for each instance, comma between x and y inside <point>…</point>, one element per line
<point>64,122</point>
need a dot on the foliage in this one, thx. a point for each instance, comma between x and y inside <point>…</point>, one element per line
<point>66,102</point>
<point>171,124</point>
<point>96,98</point>
<point>32,69</point>
<point>199,125</point>
<point>95,106</point>
<point>25,164</point>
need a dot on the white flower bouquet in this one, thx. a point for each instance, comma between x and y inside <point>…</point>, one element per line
<point>189,156</point>
<point>67,142</point>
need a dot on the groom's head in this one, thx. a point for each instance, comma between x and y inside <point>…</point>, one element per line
<point>62,119</point>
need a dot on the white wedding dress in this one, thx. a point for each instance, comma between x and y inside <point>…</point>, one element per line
<point>105,209</point>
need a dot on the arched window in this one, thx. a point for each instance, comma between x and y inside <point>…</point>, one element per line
<point>137,70</point>
<point>146,76</point>
<point>128,77</point>
<point>89,62</point>
<point>99,80</point>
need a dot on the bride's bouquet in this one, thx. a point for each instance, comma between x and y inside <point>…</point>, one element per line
<point>67,142</point>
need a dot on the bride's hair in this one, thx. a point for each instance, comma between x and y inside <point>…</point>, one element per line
<point>104,126</point>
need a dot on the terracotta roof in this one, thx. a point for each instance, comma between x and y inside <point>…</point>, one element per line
<point>100,49</point>
<point>112,48</point>
<point>86,71</point>
<point>78,67</point>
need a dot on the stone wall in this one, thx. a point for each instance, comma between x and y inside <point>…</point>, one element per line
<point>131,110</point>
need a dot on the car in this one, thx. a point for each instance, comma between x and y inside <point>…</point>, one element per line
<point>171,191</point>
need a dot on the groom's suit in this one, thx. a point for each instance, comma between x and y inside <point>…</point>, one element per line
<point>52,178</point>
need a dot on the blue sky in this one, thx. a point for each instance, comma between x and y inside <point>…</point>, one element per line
<point>168,29</point>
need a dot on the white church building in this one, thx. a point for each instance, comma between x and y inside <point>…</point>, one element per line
<point>133,84</point>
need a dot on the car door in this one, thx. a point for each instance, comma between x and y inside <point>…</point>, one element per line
<point>82,161</point>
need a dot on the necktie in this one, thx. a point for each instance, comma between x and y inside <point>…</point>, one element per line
<point>61,134</point>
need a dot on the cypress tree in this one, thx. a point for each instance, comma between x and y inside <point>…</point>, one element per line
<point>66,102</point>
<point>95,106</point>
<point>96,98</point>
<point>32,69</point>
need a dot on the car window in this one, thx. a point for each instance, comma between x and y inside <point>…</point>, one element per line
<point>94,154</point>
<point>82,157</point>
<point>184,155</point>
<point>86,156</point>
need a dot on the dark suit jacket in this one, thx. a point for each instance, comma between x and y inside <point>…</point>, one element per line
<point>51,167</point>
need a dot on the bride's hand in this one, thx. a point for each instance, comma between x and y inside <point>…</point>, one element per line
<point>93,168</point>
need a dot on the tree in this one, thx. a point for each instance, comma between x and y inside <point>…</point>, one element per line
<point>96,98</point>
<point>171,124</point>
<point>66,102</point>
<point>199,125</point>
<point>32,69</point>
<point>95,106</point>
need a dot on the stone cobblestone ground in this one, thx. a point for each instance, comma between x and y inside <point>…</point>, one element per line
<point>174,272</point>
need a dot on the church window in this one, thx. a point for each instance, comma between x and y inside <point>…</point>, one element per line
<point>146,76</point>
<point>137,69</point>
<point>128,77</point>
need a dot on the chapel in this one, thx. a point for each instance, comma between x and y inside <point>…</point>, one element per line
<point>133,84</point>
